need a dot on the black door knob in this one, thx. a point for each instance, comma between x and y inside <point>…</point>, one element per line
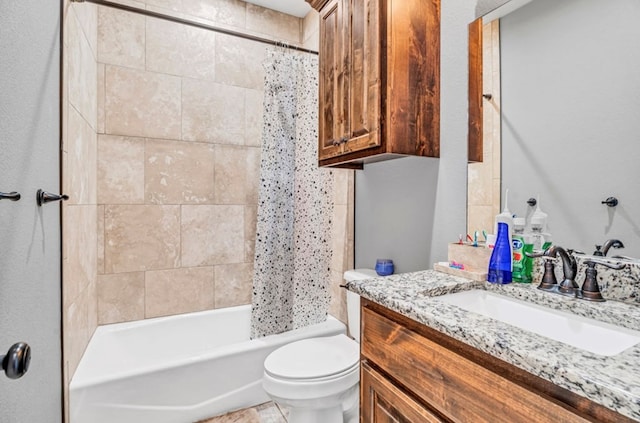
<point>16,363</point>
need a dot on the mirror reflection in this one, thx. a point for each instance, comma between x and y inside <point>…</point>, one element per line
<point>568,105</point>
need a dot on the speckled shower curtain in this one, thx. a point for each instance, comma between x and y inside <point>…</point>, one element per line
<point>295,205</point>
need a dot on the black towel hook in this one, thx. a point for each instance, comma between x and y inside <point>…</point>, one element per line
<point>43,197</point>
<point>611,201</point>
<point>13,196</point>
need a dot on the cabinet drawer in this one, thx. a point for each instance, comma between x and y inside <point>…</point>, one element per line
<point>455,386</point>
<point>382,401</point>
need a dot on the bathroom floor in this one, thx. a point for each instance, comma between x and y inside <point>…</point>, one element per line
<point>268,412</point>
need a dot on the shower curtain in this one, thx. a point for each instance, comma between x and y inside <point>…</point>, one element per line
<point>295,205</point>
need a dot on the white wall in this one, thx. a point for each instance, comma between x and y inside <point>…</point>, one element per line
<point>29,235</point>
<point>409,209</point>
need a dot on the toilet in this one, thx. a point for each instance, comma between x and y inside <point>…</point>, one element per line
<point>317,379</point>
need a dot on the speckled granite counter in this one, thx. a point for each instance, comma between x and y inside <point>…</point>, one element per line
<point>610,381</point>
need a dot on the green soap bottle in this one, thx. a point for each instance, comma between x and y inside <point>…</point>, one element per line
<point>522,265</point>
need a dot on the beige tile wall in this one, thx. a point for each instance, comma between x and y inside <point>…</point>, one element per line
<point>483,197</point>
<point>179,158</point>
<point>161,153</point>
<point>79,169</point>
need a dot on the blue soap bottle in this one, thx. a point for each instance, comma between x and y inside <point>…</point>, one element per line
<point>501,261</point>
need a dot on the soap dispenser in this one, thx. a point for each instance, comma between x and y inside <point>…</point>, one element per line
<point>537,237</point>
<point>541,236</point>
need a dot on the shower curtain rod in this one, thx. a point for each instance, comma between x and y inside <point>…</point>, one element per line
<point>194,24</point>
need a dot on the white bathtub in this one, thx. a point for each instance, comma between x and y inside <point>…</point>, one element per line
<point>177,369</point>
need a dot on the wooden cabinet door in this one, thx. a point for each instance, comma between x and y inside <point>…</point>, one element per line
<point>383,402</point>
<point>363,57</point>
<point>333,79</point>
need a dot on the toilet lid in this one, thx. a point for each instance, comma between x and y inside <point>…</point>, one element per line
<point>313,358</point>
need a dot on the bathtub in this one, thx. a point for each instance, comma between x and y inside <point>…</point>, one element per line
<point>177,369</point>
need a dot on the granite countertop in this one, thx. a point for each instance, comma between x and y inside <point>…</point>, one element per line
<point>613,382</point>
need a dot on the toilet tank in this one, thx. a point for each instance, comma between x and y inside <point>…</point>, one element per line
<point>353,299</point>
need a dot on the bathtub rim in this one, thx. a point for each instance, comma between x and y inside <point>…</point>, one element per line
<point>80,380</point>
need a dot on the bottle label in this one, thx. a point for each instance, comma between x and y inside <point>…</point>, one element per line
<point>522,265</point>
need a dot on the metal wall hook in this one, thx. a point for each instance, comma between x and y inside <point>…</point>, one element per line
<point>532,202</point>
<point>43,197</point>
<point>13,196</point>
<point>611,201</point>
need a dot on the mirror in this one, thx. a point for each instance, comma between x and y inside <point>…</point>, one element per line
<point>563,120</point>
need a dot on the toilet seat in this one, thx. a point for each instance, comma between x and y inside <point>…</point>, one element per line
<point>312,359</point>
<point>313,369</point>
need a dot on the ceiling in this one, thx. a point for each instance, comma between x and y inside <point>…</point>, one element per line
<point>297,8</point>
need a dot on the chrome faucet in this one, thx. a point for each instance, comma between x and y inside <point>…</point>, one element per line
<point>615,243</point>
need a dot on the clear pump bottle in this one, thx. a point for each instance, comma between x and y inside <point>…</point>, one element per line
<point>537,237</point>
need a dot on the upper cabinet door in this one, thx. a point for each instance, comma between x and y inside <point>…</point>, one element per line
<point>412,76</point>
<point>363,58</point>
<point>333,79</point>
<point>379,80</point>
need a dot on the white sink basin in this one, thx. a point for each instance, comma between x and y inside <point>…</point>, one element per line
<point>581,332</point>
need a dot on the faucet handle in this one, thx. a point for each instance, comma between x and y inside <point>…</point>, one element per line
<point>627,258</point>
<point>606,263</point>
<point>549,281</point>
<point>574,252</point>
<point>590,289</point>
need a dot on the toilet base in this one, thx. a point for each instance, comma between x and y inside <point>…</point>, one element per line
<point>327,415</point>
<point>344,408</point>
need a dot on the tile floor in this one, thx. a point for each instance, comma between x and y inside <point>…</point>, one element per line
<point>265,413</point>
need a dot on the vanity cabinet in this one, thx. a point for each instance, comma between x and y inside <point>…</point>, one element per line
<point>413,373</point>
<point>379,86</point>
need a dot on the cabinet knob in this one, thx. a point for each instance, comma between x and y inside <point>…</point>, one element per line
<point>337,142</point>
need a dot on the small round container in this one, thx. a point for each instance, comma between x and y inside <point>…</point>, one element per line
<point>384,267</point>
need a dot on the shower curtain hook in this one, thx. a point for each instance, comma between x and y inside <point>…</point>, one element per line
<point>284,47</point>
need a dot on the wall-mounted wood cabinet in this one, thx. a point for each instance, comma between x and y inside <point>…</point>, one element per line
<point>475,114</point>
<point>379,80</point>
